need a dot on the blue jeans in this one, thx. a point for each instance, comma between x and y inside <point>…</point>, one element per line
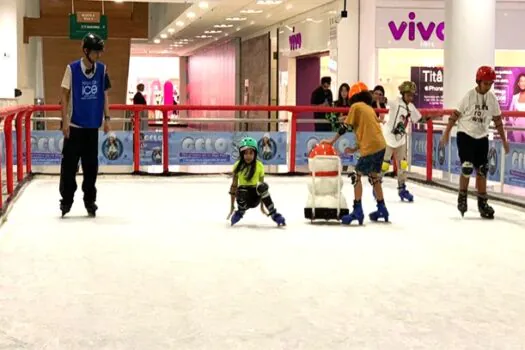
<point>371,163</point>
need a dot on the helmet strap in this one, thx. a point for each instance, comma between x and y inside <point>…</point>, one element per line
<point>89,70</point>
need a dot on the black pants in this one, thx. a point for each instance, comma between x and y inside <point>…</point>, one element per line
<point>249,197</point>
<point>475,151</point>
<point>82,145</point>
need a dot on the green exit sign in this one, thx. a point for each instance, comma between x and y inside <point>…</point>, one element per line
<point>82,23</point>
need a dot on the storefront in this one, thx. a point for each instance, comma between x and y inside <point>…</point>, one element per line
<point>410,42</point>
<point>310,47</point>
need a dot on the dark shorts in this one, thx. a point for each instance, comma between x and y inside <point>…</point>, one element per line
<point>473,150</point>
<point>371,163</point>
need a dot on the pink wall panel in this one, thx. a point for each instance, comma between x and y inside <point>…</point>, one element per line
<point>212,81</point>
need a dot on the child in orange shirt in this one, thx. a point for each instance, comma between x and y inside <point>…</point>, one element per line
<point>362,119</point>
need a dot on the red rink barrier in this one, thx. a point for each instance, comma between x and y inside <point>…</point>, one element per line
<point>20,117</point>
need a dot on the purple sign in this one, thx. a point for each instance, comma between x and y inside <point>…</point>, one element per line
<point>415,29</point>
<point>429,82</point>
<point>509,89</point>
<point>296,41</point>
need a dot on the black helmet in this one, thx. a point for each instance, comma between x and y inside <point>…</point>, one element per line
<point>93,42</point>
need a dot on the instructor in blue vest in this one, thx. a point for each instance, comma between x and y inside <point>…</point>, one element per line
<point>84,109</point>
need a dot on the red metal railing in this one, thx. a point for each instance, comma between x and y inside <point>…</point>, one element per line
<point>21,116</point>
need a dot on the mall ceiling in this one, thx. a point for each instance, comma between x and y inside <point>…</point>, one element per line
<point>205,22</point>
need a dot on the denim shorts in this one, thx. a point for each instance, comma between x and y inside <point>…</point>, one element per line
<point>370,163</point>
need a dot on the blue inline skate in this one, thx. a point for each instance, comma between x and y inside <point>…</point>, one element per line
<point>279,219</point>
<point>380,213</point>
<point>356,214</point>
<point>404,194</point>
<point>236,217</point>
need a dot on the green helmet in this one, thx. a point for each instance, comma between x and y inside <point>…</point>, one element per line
<point>246,143</point>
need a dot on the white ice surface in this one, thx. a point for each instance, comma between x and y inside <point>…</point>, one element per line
<point>160,268</point>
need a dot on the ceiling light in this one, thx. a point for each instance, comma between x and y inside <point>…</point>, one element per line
<point>164,35</point>
<point>236,19</point>
<point>269,15</point>
<point>252,22</point>
<point>251,11</point>
<point>238,28</point>
<point>179,23</point>
<point>203,5</point>
<point>269,2</point>
<point>289,6</point>
<point>190,15</point>
<point>156,41</point>
<point>223,26</point>
<point>213,32</point>
<point>118,1</point>
<point>171,30</point>
<point>226,34</point>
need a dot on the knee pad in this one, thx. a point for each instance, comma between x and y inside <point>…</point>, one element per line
<point>355,178</point>
<point>483,170</point>
<point>385,166</point>
<point>374,179</point>
<point>262,188</point>
<point>404,165</point>
<point>467,168</point>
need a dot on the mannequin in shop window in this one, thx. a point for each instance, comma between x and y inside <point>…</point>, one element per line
<point>322,97</point>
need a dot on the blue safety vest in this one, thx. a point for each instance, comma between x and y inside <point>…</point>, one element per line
<point>88,98</point>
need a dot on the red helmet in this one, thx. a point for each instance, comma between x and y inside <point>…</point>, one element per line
<point>486,73</point>
<point>322,149</point>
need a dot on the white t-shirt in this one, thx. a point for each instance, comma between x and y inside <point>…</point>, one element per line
<point>66,84</point>
<point>477,111</point>
<point>399,112</point>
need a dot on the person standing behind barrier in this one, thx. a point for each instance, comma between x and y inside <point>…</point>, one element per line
<point>85,107</point>
<point>322,97</point>
<point>139,99</point>
<point>401,112</point>
<point>476,110</point>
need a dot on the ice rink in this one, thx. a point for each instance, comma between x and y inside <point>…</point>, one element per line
<point>160,268</point>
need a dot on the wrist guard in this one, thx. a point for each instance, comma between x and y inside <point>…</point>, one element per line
<point>344,128</point>
<point>233,190</point>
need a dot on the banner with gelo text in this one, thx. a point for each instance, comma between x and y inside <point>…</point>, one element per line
<point>307,140</point>
<point>150,148</point>
<point>115,148</point>
<point>494,160</point>
<point>419,149</point>
<point>221,148</point>
<point>515,165</point>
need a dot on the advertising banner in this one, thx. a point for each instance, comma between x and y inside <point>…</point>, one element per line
<point>429,82</point>
<point>515,165</point>
<point>419,149</point>
<point>509,84</point>
<point>115,148</point>
<point>150,148</point>
<point>494,158</point>
<point>221,148</point>
<point>307,140</point>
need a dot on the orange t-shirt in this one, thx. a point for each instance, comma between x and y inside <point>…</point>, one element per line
<point>368,132</point>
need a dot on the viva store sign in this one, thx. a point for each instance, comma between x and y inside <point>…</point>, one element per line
<point>417,30</point>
